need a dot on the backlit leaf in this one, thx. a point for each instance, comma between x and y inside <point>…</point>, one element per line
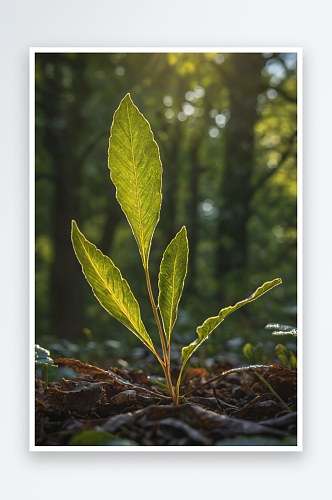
<point>41,352</point>
<point>134,162</point>
<point>112,291</point>
<point>173,270</point>
<point>286,356</point>
<point>210,324</point>
<point>43,356</point>
<point>254,354</point>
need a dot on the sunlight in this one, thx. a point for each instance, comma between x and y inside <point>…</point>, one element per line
<point>168,100</point>
<point>182,116</point>
<point>213,132</point>
<point>188,108</point>
<point>221,120</point>
<point>219,59</point>
<point>213,113</point>
<point>199,92</point>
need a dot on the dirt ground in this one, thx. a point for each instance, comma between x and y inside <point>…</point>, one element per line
<point>126,407</point>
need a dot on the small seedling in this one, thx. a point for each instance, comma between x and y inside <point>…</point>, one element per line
<point>136,172</point>
<point>286,356</point>
<point>254,354</point>
<point>43,359</point>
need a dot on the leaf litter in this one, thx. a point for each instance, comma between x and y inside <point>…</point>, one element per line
<point>125,407</point>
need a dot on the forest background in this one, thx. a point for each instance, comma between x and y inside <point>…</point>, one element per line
<point>226,127</point>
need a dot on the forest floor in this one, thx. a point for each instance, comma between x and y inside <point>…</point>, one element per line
<point>125,407</point>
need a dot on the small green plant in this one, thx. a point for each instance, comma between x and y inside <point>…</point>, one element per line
<point>286,356</point>
<point>136,172</point>
<point>254,354</point>
<point>43,359</point>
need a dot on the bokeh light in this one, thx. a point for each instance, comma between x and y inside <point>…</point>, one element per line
<point>213,132</point>
<point>119,70</point>
<point>182,116</point>
<point>168,100</point>
<point>199,92</point>
<point>219,59</point>
<point>188,108</point>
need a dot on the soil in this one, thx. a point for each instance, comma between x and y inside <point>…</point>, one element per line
<point>125,407</point>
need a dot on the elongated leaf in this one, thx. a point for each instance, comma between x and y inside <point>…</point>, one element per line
<point>210,324</point>
<point>173,270</point>
<point>134,162</point>
<point>112,291</point>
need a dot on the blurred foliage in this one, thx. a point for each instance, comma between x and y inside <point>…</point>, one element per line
<point>286,356</point>
<point>226,128</point>
<point>254,354</point>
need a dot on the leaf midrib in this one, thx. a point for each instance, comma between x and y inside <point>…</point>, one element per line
<point>173,279</point>
<point>137,190</point>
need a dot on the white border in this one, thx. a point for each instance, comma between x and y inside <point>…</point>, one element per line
<point>227,50</point>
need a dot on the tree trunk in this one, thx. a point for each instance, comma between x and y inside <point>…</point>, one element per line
<point>192,226</point>
<point>61,128</point>
<point>243,74</point>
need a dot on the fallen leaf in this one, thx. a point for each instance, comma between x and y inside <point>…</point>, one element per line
<point>125,397</point>
<point>198,373</point>
<point>259,410</point>
<point>217,425</point>
<point>79,367</point>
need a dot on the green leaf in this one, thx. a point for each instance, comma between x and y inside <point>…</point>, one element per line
<point>41,352</point>
<point>253,354</point>
<point>210,324</point>
<point>42,357</point>
<point>112,291</point>
<point>173,270</point>
<point>134,162</point>
<point>99,438</point>
<point>248,352</point>
<point>286,356</point>
<point>45,361</point>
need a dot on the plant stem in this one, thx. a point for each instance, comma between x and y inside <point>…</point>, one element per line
<point>155,312</point>
<point>169,383</point>
<point>166,363</point>
<point>159,359</point>
<point>177,393</point>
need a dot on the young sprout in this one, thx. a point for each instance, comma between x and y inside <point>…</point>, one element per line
<point>136,172</point>
<point>43,359</point>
